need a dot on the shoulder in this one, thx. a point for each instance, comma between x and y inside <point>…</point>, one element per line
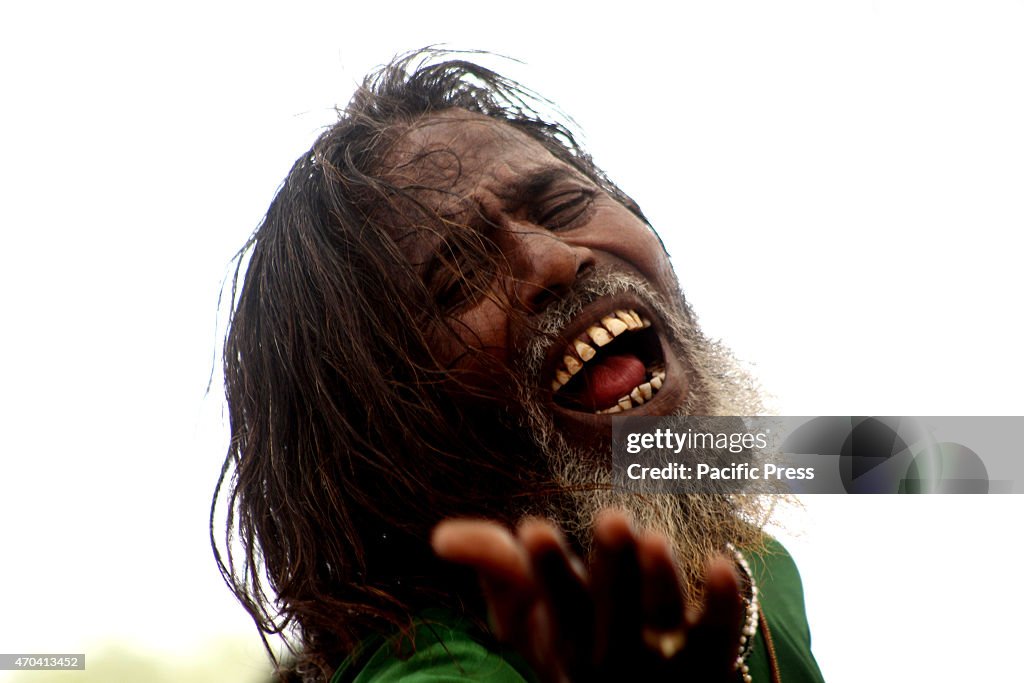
<point>784,640</point>
<point>781,588</point>
<point>443,648</point>
<point>773,564</point>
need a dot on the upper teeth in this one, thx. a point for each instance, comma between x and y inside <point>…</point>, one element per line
<point>600,335</point>
<point>582,350</point>
<point>614,325</point>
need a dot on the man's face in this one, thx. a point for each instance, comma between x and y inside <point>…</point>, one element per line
<point>610,350</point>
<point>549,332</point>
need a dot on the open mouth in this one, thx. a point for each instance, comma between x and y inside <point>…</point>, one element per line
<point>615,365</point>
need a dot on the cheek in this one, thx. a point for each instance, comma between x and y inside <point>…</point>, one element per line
<point>648,255</point>
<point>475,338</point>
<point>474,350</point>
<point>484,327</point>
<point>629,241</point>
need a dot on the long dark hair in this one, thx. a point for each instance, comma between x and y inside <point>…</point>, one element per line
<point>345,449</point>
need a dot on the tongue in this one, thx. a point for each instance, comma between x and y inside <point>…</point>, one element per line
<point>606,380</point>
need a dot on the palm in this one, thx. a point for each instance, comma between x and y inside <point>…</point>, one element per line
<point>621,617</point>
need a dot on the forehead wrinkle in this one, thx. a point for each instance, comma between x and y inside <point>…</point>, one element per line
<point>434,172</point>
<point>456,163</point>
<point>476,152</point>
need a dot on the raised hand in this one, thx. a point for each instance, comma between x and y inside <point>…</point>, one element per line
<point>621,617</point>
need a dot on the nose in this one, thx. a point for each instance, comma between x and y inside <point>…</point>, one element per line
<point>544,266</point>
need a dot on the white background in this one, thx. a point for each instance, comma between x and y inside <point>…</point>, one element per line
<point>839,183</point>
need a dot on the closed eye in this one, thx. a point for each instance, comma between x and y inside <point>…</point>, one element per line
<point>564,210</point>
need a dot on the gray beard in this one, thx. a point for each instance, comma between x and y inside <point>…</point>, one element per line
<point>697,526</point>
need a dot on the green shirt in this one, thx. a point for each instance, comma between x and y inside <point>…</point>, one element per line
<point>451,650</point>
<point>448,648</point>
<point>781,595</point>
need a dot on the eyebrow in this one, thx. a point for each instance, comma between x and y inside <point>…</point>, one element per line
<point>526,189</point>
<point>535,184</point>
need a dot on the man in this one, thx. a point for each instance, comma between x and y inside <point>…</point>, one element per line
<point>443,310</point>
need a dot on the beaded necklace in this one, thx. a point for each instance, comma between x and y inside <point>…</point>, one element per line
<point>752,618</point>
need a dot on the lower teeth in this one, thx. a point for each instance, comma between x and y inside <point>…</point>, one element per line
<point>640,394</point>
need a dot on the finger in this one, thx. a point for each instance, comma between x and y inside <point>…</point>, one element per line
<point>662,596</point>
<point>486,547</point>
<point>713,640</point>
<point>616,588</point>
<point>504,570</point>
<point>564,593</point>
<point>662,599</point>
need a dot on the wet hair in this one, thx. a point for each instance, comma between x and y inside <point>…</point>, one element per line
<point>346,446</point>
